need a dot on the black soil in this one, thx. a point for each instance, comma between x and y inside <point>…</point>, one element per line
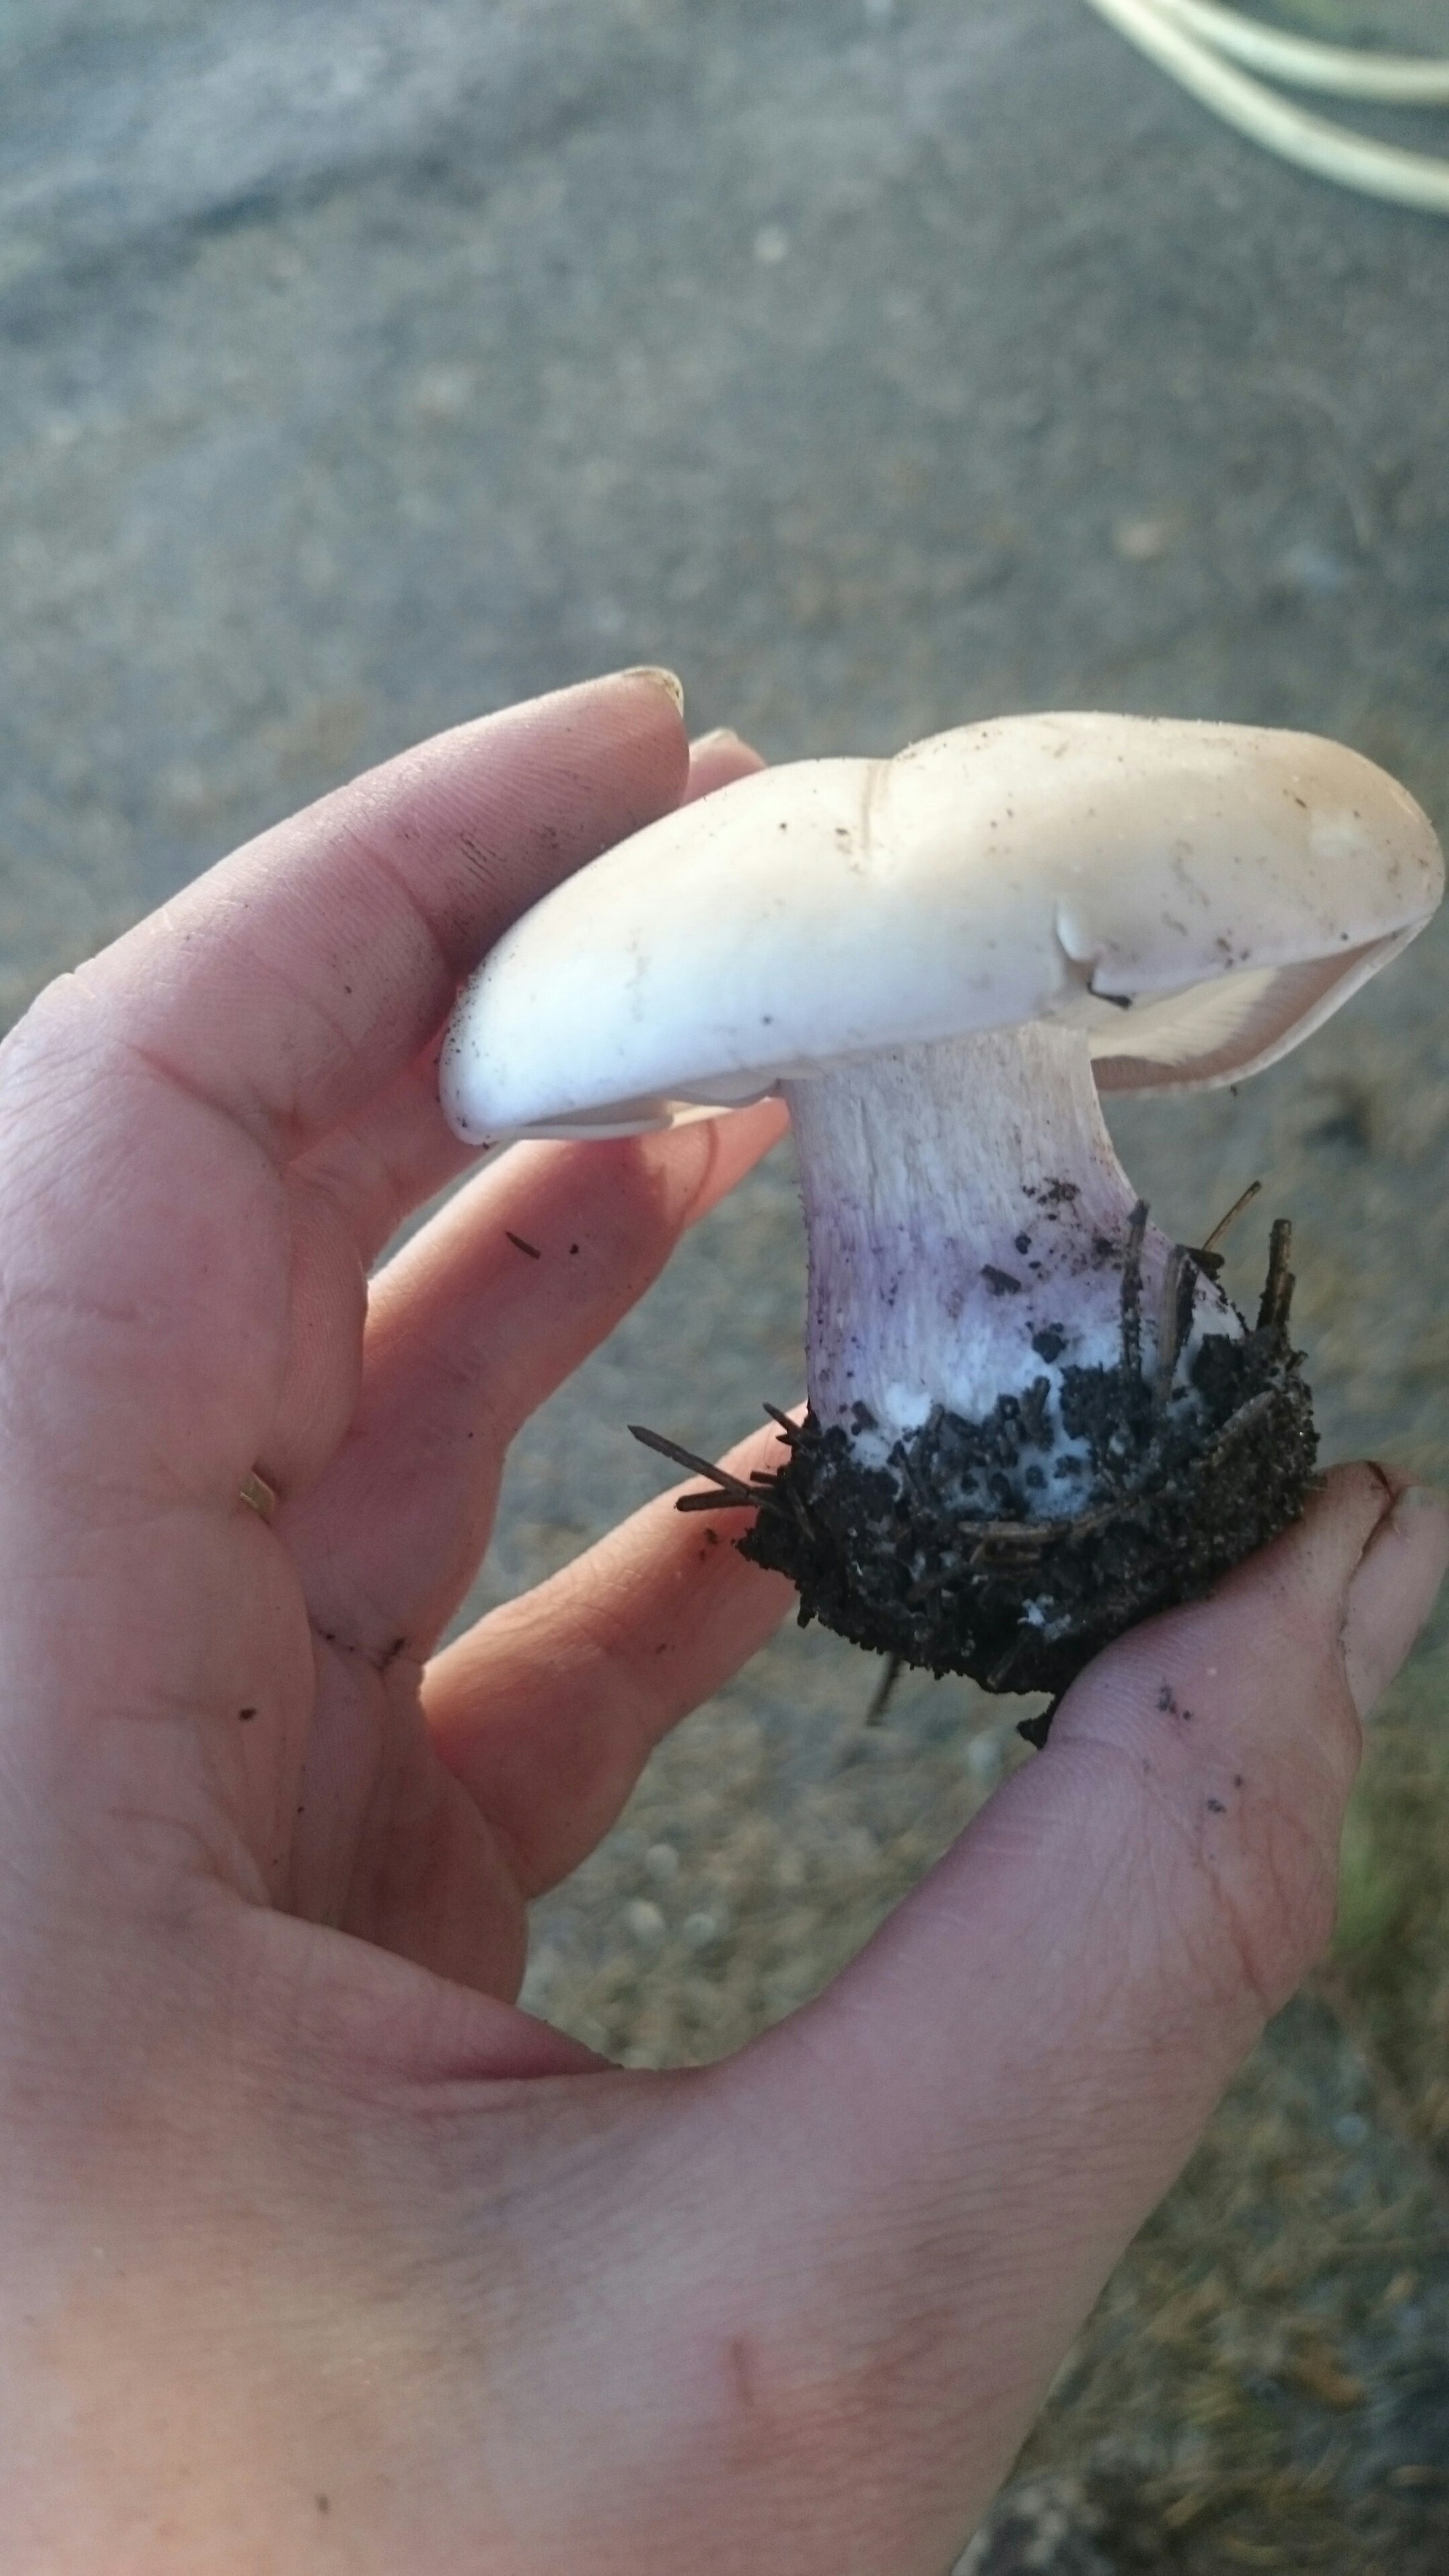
<point>1173,1496</point>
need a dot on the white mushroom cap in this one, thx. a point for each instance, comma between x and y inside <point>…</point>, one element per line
<point>1195,897</point>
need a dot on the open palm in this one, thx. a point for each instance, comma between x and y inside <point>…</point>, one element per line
<point>317,2251</point>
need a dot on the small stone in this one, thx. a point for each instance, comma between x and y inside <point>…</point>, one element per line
<point>1312,571</point>
<point>983,1758</point>
<point>644,1921</point>
<point>1144,540</point>
<point>661,1863</point>
<point>1041,2527</point>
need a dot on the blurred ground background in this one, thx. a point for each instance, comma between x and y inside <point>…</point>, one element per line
<point>880,364</point>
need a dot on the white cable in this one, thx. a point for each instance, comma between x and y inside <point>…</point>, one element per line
<point>1398,80</point>
<point>1160,29</point>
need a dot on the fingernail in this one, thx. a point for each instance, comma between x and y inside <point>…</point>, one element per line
<point>667,680</point>
<point>1393,1591</point>
<point>715,739</point>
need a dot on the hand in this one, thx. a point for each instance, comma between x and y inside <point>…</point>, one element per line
<point>317,2252</point>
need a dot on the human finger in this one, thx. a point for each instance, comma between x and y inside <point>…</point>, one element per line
<point>946,2153</point>
<point>397,1150</point>
<point>718,758</point>
<point>476,1321</point>
<point>154,1098</point>
<point>290,984</point>
<point>1393,1591</point>
<point>549,1709</point>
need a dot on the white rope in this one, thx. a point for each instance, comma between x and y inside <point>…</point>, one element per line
<point>1191,39</point>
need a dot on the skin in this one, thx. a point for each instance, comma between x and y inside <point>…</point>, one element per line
<point>316,2252</point>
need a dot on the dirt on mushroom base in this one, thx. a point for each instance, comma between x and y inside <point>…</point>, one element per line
<point>1177,1498</point>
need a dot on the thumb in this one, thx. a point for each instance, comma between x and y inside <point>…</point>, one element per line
<point>935,2166</point>
<point>1393,1589</point>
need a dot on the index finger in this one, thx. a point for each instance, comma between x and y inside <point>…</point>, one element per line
<point>289,984</point>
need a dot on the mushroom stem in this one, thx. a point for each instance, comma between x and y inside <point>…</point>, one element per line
<point>969,1229</point>
<point>1033,1420</point>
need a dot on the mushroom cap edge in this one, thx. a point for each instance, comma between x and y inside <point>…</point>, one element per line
<point>1198,897</point>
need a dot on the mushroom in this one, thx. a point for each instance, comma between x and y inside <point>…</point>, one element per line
<point>1032,1418</point>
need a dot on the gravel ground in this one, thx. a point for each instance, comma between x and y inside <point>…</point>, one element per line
<point>880,366</point>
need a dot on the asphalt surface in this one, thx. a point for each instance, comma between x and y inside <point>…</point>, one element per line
<point>879,367</point>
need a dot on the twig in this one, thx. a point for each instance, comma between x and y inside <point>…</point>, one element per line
<point>1032,1536</point>
<point>895,1665</point>
<point>1173,1317</point>
<point>1280,1283</point>
<point>1237,1423</point>
<point>1235,1211</point>
<point>1132,1292</point>
<point>733,1486</point>
<point>999,1677</point>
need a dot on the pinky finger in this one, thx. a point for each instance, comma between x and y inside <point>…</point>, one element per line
<point>549,1709</point>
